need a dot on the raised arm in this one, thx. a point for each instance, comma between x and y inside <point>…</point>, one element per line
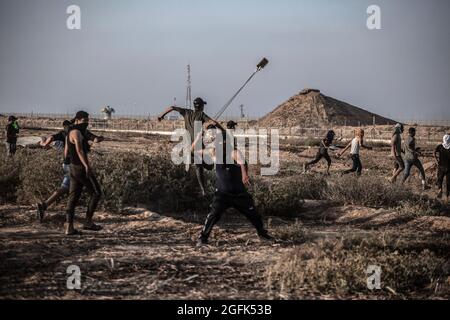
<point>168,110</point>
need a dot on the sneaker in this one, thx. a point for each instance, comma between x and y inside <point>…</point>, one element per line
<point>40,212</point>
<point>202,242</point>
<point>73,232</point>
<point>265,237</point>
<point>92,227</point>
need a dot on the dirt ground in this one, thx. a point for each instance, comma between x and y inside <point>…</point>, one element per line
<point>147,255</point>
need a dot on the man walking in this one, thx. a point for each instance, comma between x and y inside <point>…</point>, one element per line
<point>231,180</point>
<point>60,139</point>
<point>442,156</point>
<point>12,130</point>
<point>396,151</point>
<point>81,174</point>
<point>412,158</point>
<point>355,145</point>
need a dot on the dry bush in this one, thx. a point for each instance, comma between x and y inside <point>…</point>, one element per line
<point>40,174</point>
<point>278,197</point>
<point>333,268</point>
<point>368,191</point>
<point>9,177</point>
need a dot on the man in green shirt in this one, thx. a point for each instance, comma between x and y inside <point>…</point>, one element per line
<point>12,129</point>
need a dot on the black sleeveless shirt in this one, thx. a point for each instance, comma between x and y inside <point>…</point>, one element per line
<point>229,179</point>
<point>73,155</point>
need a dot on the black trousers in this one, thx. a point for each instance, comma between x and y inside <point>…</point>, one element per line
<point>357,165</point>
<point>242,202</point>
<point>78,181</point>
<point>322,153</point>
<point>441,174</point>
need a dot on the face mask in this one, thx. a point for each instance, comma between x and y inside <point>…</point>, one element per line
<point>83,127</point>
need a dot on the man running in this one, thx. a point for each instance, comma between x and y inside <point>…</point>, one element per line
<point>396,151</point>
<point>60,139</point>
<point>412,158</point>
<point>81,174</point>
<point>231,180</point>
<point>322,152</point>
<point>355,145</point>
<point>12,130</point>
<point>190,117</point>
<point>442,156</point>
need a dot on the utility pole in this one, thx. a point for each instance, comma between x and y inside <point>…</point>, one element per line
<point>188,89</point>
<point>242,111</point>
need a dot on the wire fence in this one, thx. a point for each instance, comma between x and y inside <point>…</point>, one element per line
<point>426,133</point>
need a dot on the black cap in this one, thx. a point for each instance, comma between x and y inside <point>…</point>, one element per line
<point>231,124</point>
<point>12,118</point>
<point>199,102</point>
<point>81,115</point>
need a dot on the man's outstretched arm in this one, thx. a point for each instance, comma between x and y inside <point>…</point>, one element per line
<point>169,110</point>
<point>47,141</point>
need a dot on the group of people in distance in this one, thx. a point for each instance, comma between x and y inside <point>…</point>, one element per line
<point>398,148</point>
<point>231,176</point>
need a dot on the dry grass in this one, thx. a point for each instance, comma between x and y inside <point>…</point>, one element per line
<point>339,268</point>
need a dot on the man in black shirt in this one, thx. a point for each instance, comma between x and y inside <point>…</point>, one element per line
<point>190,118</point>
<point>60,139</point>
<point>230,191</point>
<point>81,174</point>
<point>442,156</point>
<point>12,130</point>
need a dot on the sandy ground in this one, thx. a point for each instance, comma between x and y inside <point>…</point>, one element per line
<point>145,255</point>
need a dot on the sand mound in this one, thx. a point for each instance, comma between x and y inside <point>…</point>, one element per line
<point>310,108</point>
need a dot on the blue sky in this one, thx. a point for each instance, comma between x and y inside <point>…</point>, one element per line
<point>133,54</point>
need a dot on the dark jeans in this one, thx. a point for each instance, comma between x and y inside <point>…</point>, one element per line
<point>357,165</point>
<point>78,180</point>
<point>242,202</point>
<point>322,153</point>
<point>441,174</point>
<point>409,163</point>
<point>11,148</point>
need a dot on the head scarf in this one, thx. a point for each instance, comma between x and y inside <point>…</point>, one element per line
<point>398,128</point>
<point>446,142</point>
